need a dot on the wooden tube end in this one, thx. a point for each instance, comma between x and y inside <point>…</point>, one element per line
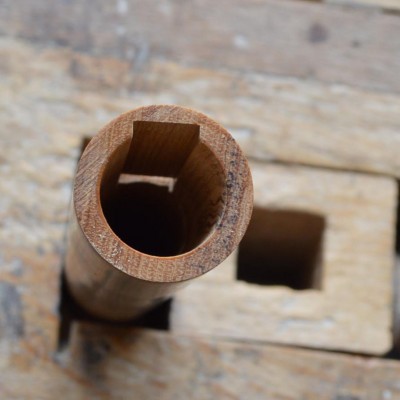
<point>162,195</point>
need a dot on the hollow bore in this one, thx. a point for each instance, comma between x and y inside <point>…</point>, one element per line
<point>169,194</point>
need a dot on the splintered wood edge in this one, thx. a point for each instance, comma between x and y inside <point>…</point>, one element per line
<point>228,230</point>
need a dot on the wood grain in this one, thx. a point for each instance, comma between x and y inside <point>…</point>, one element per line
<point>106,363</point>
<point>247,36</point>
<point>350,309</point>
<point>131,245</point>
<point>272,118</point>
<point>52,96</point>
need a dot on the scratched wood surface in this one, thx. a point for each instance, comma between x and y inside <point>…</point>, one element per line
<point>272,118</point>
<point>357,46</point>
<point>321,89</point>
<point>105,363</point>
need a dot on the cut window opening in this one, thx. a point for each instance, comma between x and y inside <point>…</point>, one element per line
<point>282,248</point>
<point>167,195</point>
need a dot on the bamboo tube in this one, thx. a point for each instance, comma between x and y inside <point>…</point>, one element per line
<point>162,195</point>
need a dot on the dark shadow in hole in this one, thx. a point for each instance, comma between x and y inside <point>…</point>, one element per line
<point>394,353</point>
<point>397,239</point>
<point>70,311</point>
<point>165,194</point>
<point>147,218</point>
<point>282,247</point>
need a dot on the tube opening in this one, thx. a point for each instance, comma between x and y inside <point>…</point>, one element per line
<point>169,195</point>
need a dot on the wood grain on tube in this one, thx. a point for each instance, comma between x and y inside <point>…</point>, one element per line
<point>162,195</point>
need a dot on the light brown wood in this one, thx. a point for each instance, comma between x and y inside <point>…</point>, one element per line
<point>64,104</point>
<point>52,96</point>
<point>133,244</point>
<point>272,118</point>
<point>305,39</point>
<point>105,363</point>
<point>385,4</point>
<point>320,250</point>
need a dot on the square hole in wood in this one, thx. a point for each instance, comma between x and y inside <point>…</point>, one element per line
<point>282,247</point>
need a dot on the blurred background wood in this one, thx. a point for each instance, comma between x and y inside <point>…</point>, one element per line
<point>106,363</point>
<point>389,5</point>
<point>349,258</point>
<point>296,82</point>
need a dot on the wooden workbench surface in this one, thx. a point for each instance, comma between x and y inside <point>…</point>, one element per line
<point>296,82</point>
<point>135,364</point>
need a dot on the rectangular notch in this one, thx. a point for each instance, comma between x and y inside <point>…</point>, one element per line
<point>175,142</point>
